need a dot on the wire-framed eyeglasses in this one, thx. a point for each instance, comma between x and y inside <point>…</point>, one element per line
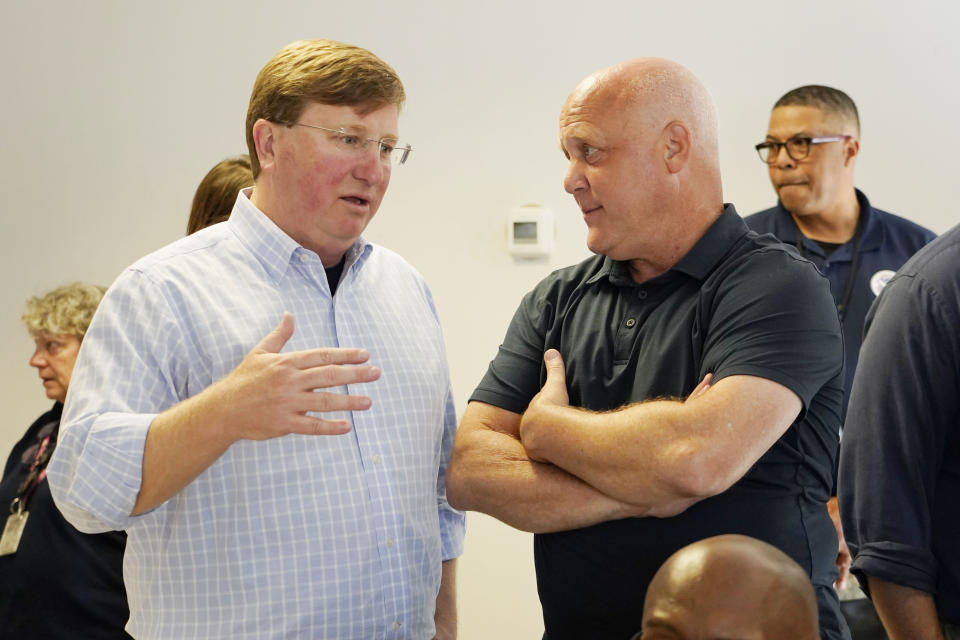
<point>391,150</point>
<point>798,147</point>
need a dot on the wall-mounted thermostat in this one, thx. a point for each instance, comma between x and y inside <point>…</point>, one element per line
<point>530,231</point>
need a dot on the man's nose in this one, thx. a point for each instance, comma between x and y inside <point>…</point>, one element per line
<point>371,167</point>
<point>574,179</point>
<point>782,158</point>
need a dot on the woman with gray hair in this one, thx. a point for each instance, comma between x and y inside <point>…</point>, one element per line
<point>55,582</point>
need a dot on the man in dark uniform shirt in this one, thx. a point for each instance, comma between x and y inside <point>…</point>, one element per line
<point>683,383</point>
<point>811,148</point>
<point>900,466</point>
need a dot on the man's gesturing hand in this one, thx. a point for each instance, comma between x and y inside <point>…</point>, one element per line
<point>270,393</point>
<point>267,395</point>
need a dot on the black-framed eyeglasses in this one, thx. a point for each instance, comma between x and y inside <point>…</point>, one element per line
<point>798,147</point>
<point>391,150</point>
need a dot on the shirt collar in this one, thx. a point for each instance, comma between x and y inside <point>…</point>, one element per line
<point>271,246</point>
<point>872,230</point>
<point>698,262</point>
<point>786,229</point>
<point>713,245</point>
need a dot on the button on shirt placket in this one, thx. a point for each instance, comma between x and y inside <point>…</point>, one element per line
<point>626,334</point>
<point>379,487</point>
<point>309,265</point>
<point>376,470</point>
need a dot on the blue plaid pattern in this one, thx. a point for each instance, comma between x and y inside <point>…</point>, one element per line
<point>295,537</point>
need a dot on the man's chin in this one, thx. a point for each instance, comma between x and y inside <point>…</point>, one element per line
<point>796,206</point>
<point>596,248</point>
<point>596,242</point>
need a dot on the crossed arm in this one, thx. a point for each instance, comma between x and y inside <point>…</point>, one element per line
<point>558,467</point>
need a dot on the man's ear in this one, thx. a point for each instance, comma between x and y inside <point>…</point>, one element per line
<point>851,149</point>
<point>676,139</point>
<point>264,137</point>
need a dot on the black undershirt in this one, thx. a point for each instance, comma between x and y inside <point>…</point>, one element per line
<point>848,288</point>
<point>333,275</point>
<point>829,247</point>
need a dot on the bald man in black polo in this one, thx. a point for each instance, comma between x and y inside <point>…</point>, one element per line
<point>683,383</point>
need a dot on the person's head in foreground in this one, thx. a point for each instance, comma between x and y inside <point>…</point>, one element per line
<point>730,587</point>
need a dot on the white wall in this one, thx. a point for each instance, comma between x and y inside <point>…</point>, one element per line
<point>113,111</point>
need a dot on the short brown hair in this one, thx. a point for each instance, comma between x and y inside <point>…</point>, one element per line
<point>66,310</point>
<point>217,192</point>
<point>323,71</point>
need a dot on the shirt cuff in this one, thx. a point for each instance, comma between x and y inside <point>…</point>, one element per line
<point>106,472</point>
<point>897,563</point>
<point>452,531</point>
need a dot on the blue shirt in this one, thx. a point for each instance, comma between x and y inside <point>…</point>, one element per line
<point>900,460</point>
<point>294,537</point>
<point>887,241</point>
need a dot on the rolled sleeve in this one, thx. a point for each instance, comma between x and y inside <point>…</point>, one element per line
<point>95,480</point>
<point>452,521</point>
<point>122,379</point>
<point>902,564</point>
<point>894,497</point>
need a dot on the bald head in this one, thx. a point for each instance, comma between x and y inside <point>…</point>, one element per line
<point>654,92</point>
<point>731,587</point>
<point>641,138</point>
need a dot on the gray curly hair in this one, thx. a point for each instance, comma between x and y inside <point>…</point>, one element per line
<point>66,310</point>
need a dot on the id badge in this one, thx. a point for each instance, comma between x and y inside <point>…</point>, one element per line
<point>12,532</point>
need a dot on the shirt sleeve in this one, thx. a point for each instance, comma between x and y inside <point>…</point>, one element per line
<point>124,376</point>
<point>513,377</point>
<point>452,521</point>
<point>903,399</point>
<point>773,317</point>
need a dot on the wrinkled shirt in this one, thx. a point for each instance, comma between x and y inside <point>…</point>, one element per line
<point>900,462</point>
<point>292,537</point>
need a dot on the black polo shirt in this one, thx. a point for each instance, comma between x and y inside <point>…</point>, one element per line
<point>737,303</point>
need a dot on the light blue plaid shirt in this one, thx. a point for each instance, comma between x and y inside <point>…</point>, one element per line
<point>295,537</point>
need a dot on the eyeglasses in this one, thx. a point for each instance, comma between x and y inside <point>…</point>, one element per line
<point>391,150</point>
<point>798,147</point>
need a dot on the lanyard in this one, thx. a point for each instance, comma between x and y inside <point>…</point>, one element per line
<point>36,474</point>
<point>854,263</point>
